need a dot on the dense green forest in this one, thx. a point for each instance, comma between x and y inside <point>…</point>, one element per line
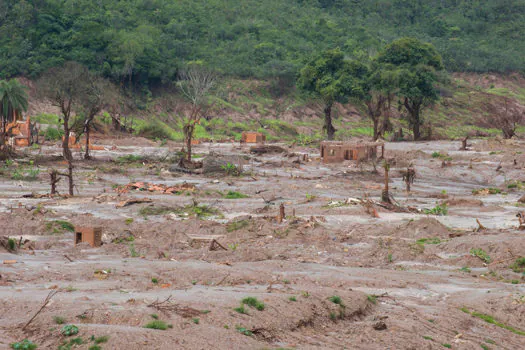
<point>145,42</point>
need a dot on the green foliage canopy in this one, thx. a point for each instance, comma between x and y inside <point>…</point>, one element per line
<point>144,42</point>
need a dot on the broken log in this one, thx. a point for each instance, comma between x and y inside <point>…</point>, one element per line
<point>129,202</point>
<point>480,226</point>
<point>214,245</point>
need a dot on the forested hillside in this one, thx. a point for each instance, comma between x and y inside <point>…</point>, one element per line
<point>145,42</point>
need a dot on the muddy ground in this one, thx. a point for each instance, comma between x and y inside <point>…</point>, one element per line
<point>335,274</point>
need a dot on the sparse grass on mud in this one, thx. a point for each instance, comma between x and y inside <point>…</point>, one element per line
<point>439,210</point>
<point>59,226</point>
<point>491,320</point>
<point>158,324</point>
<point>237,225</point>
<point>519,265</point>
<point>480,253</point>
<point>234,195</point>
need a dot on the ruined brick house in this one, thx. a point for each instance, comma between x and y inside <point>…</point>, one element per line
<point>91,235</point>
<point>21,132</point>
<point>253,137</point>
<point>338,151</point>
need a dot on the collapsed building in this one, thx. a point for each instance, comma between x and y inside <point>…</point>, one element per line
<point>20,133</point>
<point>339,151</point>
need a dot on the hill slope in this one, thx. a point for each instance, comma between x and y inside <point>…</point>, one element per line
<point>145,41</point>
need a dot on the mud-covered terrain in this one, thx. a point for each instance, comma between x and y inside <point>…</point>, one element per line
<point>206,258</point>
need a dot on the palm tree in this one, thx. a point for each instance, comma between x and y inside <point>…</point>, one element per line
<point>13,101</point>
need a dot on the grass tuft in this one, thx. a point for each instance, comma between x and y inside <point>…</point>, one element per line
<point>480,253</point>
<point>157,324</point>
<point>253,302</point>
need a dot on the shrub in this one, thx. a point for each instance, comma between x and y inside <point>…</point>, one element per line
<point>69,330</point>
<point>519,265</point>
<point>253,302</point>
<point>157,324</point>
<point>59,320</point>
<point>130,158</point>
<point>439,210</point>
<point>59,226</point>
<point>231,169</point>
<point>241,310</point>
<point>234,195</point>
<point>372,298</point>
<point>154,131</point>
<point>244,331</point>
<point>336,299</point>
<point>23,345</point>
<point>53,134</point>
<point>102,339</point>
<point>480,253</point>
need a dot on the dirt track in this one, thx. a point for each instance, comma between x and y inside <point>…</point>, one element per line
<point>411,272</point>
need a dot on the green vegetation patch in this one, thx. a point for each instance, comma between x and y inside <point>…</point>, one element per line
<point>25,344</point>
<point>253,302</point>
<point>336,299</point>
<point>234,195</point>
<point>485,191</point>
<point>439,210</point>
<point>491,320</point>
<point>480,253</point>
<point>69,330</point>
<point>59,226</point>
<point>158,324</point>
<point>237,225</point>
<point>519,265</point>
<point>244,331</point>
<point>423,241</point>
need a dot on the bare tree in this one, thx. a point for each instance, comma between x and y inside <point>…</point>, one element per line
<point>64,87</point>
<point>195,82</point>
<point>97,91</point>
<point>506,116</point>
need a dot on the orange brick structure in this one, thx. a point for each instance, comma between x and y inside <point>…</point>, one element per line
<point>81,143</point>
<point>253,137</point>
<point>21,132</point>
<point>338,151</point>
<point>91,235</point>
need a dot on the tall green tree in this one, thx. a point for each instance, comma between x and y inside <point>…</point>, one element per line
<point>13,101</point>
<point>331,78</point>
<point>418,65</point>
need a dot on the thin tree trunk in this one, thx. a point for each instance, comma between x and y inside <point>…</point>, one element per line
<point>328,126</point>
<point>189,129</point>
<point>86,154</point>
<point>70,177</point>
<point>66,152</point>
<point>376,128</point>
<point>386,181</point>
<point>188,145</point>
